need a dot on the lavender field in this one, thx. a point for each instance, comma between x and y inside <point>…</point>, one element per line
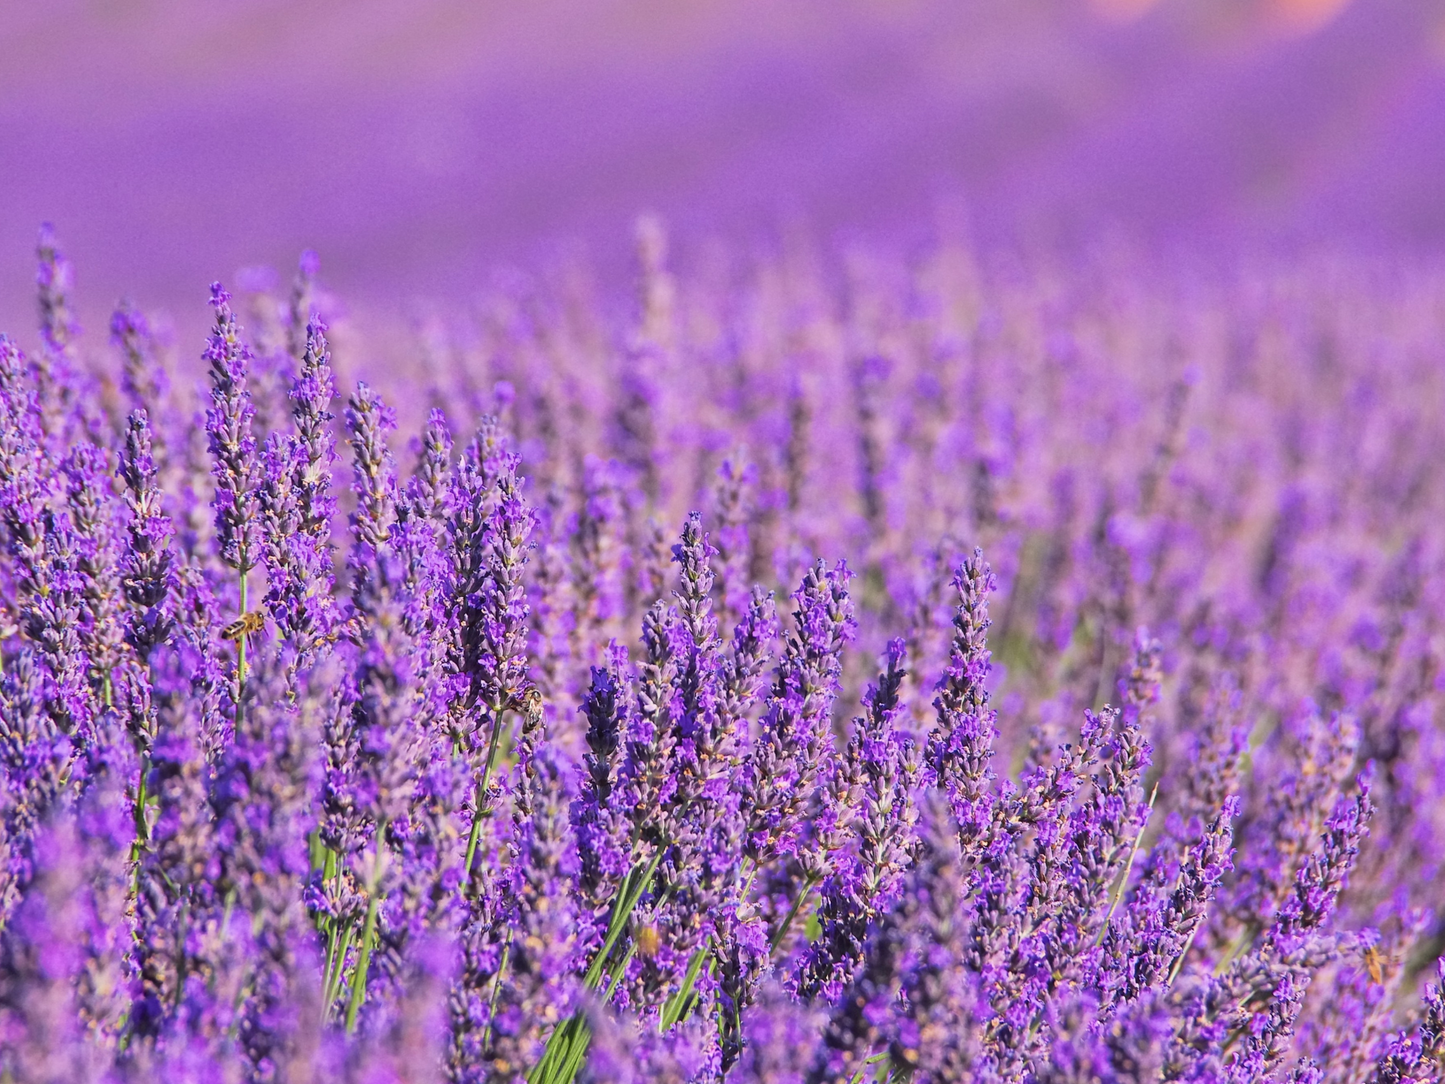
<point>937,673</point>
<point>901,647</point>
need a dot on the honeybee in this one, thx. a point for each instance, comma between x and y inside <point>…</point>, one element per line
<point>248,624</point>
<point>530,702</point>
<point>1374,965</point>
<point>648,941</point>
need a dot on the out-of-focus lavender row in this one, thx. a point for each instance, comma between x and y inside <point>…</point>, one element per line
<point>827,670</point>
<point>420,142</point>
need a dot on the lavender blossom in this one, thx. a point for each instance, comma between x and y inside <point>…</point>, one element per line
<point>94,520</point>
<point>232,445</point>
<point>177,907</point>
<point>148,580</point>
<point>599,817</point>
<point>783,768</point>
<point>490,528</point>
<point>262,794</point>
<point>733,497</point>
<point>296,506</point>
<point>959,752</point>
<point>37,755</point>
<point>53,367</point>
<point>143,379</point>
<point>41,956</point>
<point>55,279</point>
<point>538,987</point>
<point>865,883</point>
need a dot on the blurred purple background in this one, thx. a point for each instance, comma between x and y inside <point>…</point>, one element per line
<point>417,143</point>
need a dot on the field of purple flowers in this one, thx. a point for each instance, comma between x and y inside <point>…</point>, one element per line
<point>842,670</point>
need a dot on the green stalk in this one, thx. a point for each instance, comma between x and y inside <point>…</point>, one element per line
<point>142,830</point>
<point>631,890</point>
<point>1179,963</point>
<point>368,934</point>
<point>329,929</point>
<point>567,1045</point>
<point>863,1069</point>
<point>1128,867</point>
<point>809,884</point>
<point>363,963</point>
<point>241,652</point>
<point>572,1049</point>
<point>492,745</point>
<point>182,928</point>
<point>496,990</point>
<point>620,970</point>
<point>680,1004</point>
<point>676,1006</point>
<point>336,962</point>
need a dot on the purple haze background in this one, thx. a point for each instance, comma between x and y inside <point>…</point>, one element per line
<point>416,144</point>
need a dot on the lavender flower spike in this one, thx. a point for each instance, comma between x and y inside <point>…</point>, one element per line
<point>233,462</point>
<point>960,749</point>
<point>232,445</point>
<point>782,772</point>
<point>148,578</point>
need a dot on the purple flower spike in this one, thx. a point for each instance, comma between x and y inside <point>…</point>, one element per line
<point>143,378</point>
<point>55,278</point>
<point>36,755</point>
<point>600,819</point>
<point>232,445</point>
<point>490,531</point>
<point>866,880</point>
<point>297,506</point>
<point>148,579</point>
<point>95,521</point>
<point>539,989</point>
<point>960,749</point>
<point>795,742</point>
<point>42,954</point>
<point>427,489</point>
<point>709,741</point>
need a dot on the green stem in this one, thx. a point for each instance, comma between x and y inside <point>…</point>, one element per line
<point>748,879</point>
<point>808,885</point>
<point>619,972</point>
<point>1183,955</point>
<point>363,963</point>
<point>579,1038</point>
<point>182,924</point>
<point>876,1059</point>
<point>567,1045</point>
<point>1128,867</point>
<point>241,654</point>
<point>680,1004</point>
<point>496,990</point>
<point>368,932</point>
<point>339,945</point>
<point>677,1006</point>
<point>633,886</point>
<point>142,830</point>
<point>1236,949</point>
<point>476,833</point>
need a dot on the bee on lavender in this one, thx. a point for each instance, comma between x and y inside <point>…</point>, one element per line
<point>248,624</point>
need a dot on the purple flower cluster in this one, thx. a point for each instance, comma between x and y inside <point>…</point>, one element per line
<point>491,757</point>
